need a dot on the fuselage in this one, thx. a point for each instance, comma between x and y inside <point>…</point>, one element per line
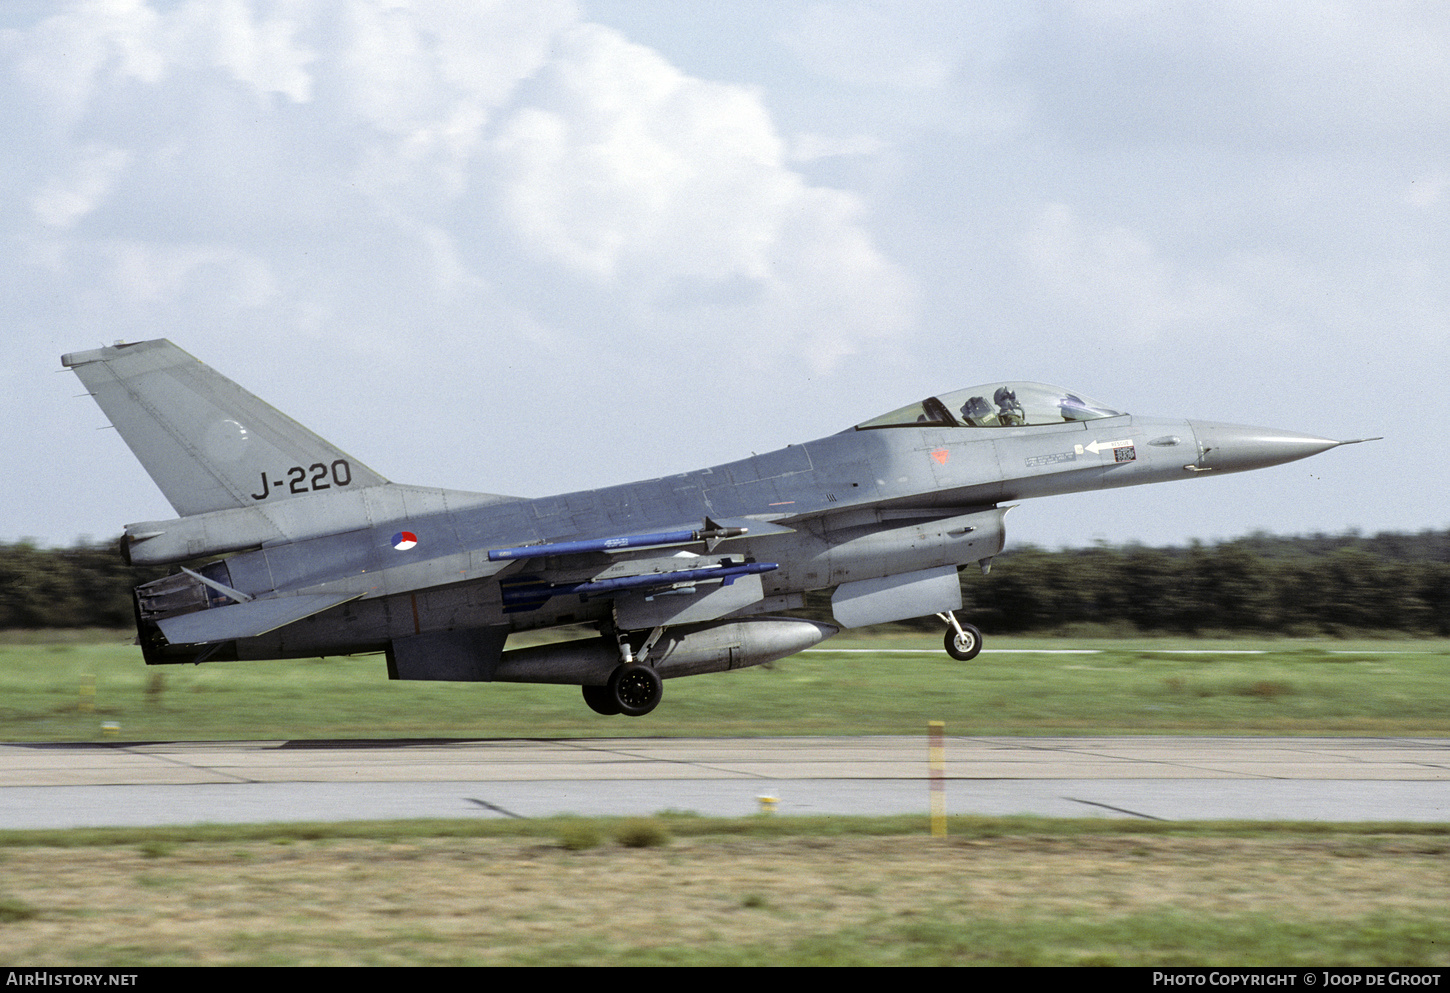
<point>860,504</point>
<point>286,546</point>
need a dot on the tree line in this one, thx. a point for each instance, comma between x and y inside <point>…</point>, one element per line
<point>1259,584</point>
<point>84,586</point>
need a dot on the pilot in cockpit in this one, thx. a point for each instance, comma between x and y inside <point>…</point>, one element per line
<point>1009,411</point>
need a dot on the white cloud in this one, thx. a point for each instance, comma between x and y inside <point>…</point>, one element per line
<point>262,52</point>
<point>66,198</point>
<point>675,190</point>
<point>74,58</point>
<point>162,274</point>
<point>355,163</point>
<point>426,80</point>
<point>1119,280</point>
<point>65,58</point>
<point>406,66</point>
<point>632,158</point>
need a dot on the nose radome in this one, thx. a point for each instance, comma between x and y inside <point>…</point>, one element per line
<point>1236,448</point>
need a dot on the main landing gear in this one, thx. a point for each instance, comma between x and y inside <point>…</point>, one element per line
<point>963,641</point>
<point>634,688</point>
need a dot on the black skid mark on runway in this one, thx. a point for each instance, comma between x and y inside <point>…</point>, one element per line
<point>1116,810</point>
<point>171,759</point>
<point>495,808</point>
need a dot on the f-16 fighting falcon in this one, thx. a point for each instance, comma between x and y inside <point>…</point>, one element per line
<point>287,547</point>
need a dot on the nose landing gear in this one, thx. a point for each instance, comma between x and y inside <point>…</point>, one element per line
<point>963,641</point>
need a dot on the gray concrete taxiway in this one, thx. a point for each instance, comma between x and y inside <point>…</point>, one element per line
<point>1159,778</point>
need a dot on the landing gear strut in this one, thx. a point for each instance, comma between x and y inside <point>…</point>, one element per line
<point>963,641</point>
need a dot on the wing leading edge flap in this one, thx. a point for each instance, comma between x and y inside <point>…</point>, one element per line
<point>247,620</point>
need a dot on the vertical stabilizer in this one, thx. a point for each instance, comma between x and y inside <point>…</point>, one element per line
<point>208,444</point>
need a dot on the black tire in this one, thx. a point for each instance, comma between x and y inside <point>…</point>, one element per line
<point>965,646</point>
<point>636,689</point>
<point>600,700</point>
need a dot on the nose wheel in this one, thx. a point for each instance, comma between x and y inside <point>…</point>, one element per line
<point>963,641</point>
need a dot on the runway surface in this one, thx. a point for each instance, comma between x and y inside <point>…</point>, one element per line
<point>136,784</point>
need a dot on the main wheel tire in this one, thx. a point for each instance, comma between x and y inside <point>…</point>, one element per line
<point>964,646</point>
<point>600,700</point>
<point>636,689</point>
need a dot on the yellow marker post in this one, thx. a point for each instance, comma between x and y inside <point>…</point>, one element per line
<point>87,702</point>
<point>767,804</point>
<point>936,762</point>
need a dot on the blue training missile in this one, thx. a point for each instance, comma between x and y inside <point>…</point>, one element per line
<point>711,534</point>
<point>529,593</point>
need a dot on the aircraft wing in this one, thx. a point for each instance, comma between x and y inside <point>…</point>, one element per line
<point>647,592</point>
<point>247,620</point>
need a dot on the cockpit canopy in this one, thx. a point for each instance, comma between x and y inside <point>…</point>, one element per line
<point>996,405</point>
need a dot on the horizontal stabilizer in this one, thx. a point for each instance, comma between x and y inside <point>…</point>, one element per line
<point>246,620</point>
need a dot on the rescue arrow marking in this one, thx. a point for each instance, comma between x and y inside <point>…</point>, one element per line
<point>1102,446</point>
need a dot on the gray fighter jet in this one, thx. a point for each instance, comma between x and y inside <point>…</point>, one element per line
<point>287,547</point>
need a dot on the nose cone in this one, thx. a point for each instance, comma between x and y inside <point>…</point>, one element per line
<point>1235,448</point>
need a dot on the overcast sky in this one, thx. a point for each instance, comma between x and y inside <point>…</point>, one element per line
<point>532,247</point>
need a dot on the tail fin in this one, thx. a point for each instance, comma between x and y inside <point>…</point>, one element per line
<point>208,443</point>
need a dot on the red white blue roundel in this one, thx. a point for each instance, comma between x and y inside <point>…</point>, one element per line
<point>404,540</point>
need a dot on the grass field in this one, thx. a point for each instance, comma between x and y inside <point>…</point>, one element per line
<point>679,890</point>
<point>79,687</point>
